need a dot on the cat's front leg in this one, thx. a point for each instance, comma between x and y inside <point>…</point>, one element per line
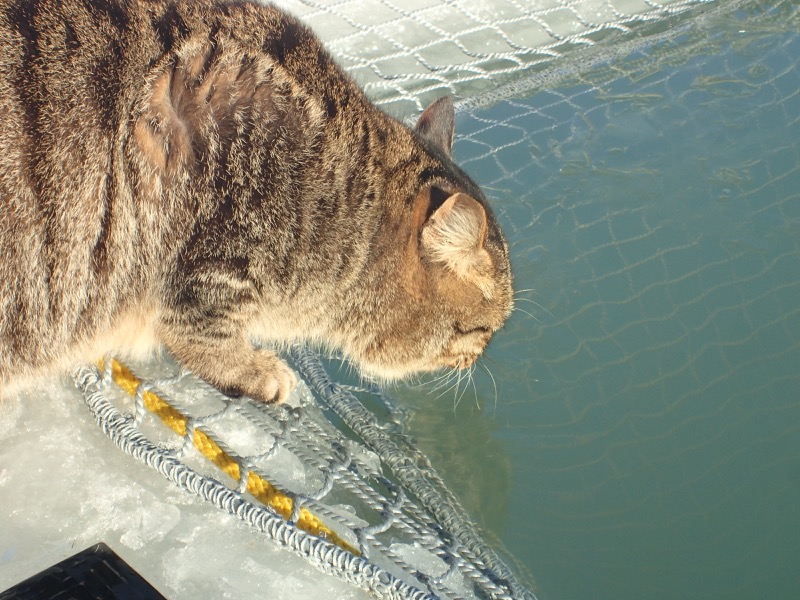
<point>216,349</point>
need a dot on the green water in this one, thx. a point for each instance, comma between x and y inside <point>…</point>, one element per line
<point>644,441</point>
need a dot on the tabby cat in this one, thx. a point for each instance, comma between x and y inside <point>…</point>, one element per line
<point>199,175</point>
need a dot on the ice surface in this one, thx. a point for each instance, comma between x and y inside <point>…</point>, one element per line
<point>65,486</point>
<point>424,561</point>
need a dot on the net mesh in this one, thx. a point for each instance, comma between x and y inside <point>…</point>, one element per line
<point>372,512</point>
<point>407,53</point>
<point>323,475</point>
<point>651,192</point>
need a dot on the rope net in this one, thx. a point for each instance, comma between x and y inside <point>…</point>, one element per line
<point>371,512</point>
<point>407,53</point>
<point>649,192</point>
<point>323,475</point>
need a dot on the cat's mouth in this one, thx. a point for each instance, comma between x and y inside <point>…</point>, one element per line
<point>460,361</point>
<point>460,352</point>
<point>465,348</point>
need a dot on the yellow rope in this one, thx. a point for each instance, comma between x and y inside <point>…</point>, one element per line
<point>263,490</point>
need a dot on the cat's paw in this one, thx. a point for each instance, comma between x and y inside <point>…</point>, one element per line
<point>266,379</point>
<point>271,380</point>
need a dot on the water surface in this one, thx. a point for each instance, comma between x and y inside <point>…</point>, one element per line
<point>644,441</point>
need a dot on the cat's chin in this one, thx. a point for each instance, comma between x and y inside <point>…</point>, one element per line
<point>393,373</point>
<point>385,374</point>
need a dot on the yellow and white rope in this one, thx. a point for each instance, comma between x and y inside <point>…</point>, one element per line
<point>260,488</point>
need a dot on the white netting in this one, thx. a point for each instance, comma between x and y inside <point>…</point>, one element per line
<point>650,197</point>
<point>372,512</point>
<point>405,53</point>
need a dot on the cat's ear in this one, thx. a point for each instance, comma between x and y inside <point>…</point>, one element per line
<point>454,235</point>
<point>437,124</point>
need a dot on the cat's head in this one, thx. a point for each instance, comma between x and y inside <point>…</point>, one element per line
<point>449,288</point>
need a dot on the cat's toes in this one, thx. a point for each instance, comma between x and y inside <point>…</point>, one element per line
<point>259,374</point>
<point>271,380</point>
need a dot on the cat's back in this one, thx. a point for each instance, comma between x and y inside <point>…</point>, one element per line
<point>69,71</point>
<point>70,229</point>
<point>73,74</point>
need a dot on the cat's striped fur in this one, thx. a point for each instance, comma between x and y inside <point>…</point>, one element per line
<point>200,174</point>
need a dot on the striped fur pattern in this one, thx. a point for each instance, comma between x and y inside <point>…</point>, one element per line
<point>201,176</point>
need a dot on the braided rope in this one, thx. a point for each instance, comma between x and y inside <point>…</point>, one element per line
<point>373,560</point>
<point>320,552</point>
<point>263,490</point>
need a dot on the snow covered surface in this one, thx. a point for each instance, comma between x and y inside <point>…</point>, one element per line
<point>64,486</point>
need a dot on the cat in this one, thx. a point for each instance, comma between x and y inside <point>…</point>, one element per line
<point>199,175</point>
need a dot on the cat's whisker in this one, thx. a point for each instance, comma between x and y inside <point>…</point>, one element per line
<point>451,373</point>
<point>457,397</point>
<point>464,374</point>
<point>536,304</point>
<point>448,389</point>
<point>443,380</point>
<point>454,386</point>
<point>474,388</point>
<point>494,384</point>
<point>457,385</point>
<point>528,291</point>
<point>524,291</point>
<point>525,312</point>
<point>436,380</point>
<point>445,387</point>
